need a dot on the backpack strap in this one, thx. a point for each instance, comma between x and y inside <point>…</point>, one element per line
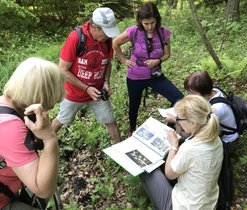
<point>6,191</point>
<point>161,38</point>
<point>81,41</point>
<point>8,110</point>
<point>225,101</point>
<point>133,41</point>
<point>82,38</point>
<point>220,100</point>
<point>108,45</point>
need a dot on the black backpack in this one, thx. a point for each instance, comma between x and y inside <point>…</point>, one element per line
<point>239,109</point>
<point>82,42</point>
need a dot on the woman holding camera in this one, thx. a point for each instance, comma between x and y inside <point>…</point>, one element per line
<point>33,89</point>
<point>150,48</point>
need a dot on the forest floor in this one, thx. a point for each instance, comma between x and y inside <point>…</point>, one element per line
<point>82,166</point>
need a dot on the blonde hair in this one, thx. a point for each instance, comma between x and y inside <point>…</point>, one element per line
<point>36,80</point>
<point>197,110</point>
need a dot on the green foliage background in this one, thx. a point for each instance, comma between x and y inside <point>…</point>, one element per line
<point>39,28</point>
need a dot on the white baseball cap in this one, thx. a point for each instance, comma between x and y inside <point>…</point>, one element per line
<point>105,18</point>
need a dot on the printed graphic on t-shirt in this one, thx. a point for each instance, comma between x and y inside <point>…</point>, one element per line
<point>93,63</point>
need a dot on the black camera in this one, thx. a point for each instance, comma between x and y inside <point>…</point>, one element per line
<point>104,94</point>
<point>157,74</point>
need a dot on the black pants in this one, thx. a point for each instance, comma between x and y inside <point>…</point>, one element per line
<point>226,177</point>
<point>161,85</point>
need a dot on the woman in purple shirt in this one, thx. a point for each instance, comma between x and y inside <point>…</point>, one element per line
<point>150,48</point>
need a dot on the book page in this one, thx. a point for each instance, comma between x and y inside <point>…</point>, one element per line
<point>134,156</point>
<point>154,134</point>
<point>163,112</point>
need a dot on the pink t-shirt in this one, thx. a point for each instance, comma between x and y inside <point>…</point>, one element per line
<point>12,149</point>
<point>140,55</point>
<point>89,68</point>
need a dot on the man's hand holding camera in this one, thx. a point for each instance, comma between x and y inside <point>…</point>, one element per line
<point>93,92</point>
<point>96,95</point>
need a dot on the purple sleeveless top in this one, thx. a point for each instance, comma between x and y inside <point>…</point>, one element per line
<point>139,54</point>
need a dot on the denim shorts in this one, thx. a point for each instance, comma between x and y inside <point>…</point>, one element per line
<point>102,111</point>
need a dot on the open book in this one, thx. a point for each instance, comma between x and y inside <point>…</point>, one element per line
<point>144,150</point>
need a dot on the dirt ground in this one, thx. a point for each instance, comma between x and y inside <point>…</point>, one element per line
<point>81,166</point>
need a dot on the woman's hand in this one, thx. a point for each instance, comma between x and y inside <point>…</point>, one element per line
<point>129,63</point>
<point>151,63</point>
<point>41,127</point>
<point>170,118</point>
<point>40,175</point>
<point>172,138</point>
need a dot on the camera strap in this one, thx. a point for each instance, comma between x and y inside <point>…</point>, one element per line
<point>30,141</point>
<point>148,44</point>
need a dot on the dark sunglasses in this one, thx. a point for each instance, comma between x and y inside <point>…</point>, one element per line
<point>179,119</point>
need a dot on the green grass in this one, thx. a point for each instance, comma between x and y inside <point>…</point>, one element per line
<point>187,54</point>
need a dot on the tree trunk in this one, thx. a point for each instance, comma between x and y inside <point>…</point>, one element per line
<point>233,12</point>
<point>203,35</point>
<point>172,3</point>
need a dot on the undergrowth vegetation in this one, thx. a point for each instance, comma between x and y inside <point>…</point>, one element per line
<point>187,55</point>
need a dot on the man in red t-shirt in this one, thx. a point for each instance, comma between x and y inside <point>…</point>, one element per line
<point>89,73</point>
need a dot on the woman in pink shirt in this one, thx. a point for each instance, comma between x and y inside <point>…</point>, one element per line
<point>34,88</point>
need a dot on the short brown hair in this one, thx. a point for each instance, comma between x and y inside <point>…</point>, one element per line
<point>200,82</point>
